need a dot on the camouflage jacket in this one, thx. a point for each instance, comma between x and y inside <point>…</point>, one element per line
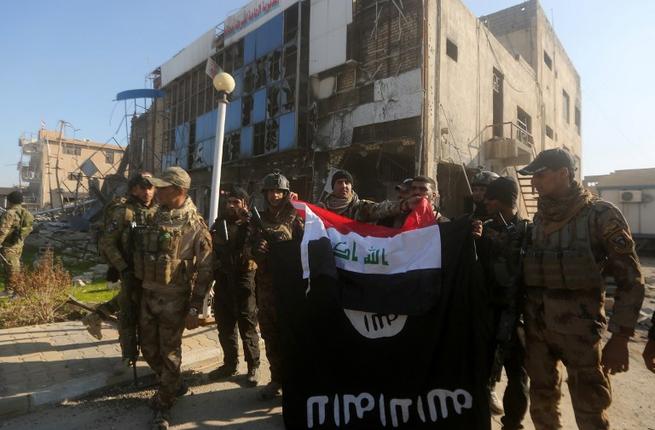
<point>178,246</point>
<point>651,332</point>
<point>581,311</point>
<point>235,251</point>
<point>115,242</point>
<point>282,226</point>
<point>365,210</point>
<point>11,236</point>
<point>500,254</point>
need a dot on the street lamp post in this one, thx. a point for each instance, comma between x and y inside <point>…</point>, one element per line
<point>224,84</point>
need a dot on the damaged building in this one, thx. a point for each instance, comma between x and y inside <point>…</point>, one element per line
<point>386,89</point>
<point>59,170</point>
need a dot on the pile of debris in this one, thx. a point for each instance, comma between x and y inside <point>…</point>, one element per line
<point>71,245</point>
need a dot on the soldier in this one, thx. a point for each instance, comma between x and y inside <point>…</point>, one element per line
<point>15,226</point>
<point>500,252</point>
<point>424,186</point>
<point>421,187</point>
<point>116,245</point>
<point>234,298</point>
<point>345,202</point>
<point>173,257</point>
<point>479,185</point>
<point>279,223</point>
<point>576,238</point>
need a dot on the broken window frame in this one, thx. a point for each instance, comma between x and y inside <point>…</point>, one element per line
<point>259,139</point>
<point>232,146</point>
<point>524,125</point>
<point>109,156</point>
<point>70,149</point>
<point>272,142</point>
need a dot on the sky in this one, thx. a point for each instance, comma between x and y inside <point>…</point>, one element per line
<point>67,60</point>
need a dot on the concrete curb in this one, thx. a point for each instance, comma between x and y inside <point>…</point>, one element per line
<point>27,402</point>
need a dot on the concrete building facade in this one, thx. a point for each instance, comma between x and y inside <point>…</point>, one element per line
<point>59,169</point>
<point>383,88</point>
<point>633,192</point>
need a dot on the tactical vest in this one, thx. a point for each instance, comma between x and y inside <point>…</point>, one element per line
<point>505,264</point>
<point>280,231</point>
<point>141,218</point>
<point>156,257</point>
<point>564,259</point>
<point>21,229</point>
<point>231,253</point>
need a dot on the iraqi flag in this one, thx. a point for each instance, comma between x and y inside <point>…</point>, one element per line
<point>382,328</point>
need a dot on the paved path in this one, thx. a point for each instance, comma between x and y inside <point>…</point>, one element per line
<point>228,404</point>
<point>52,362</point>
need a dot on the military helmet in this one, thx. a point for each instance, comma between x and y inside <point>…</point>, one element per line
<point>484,178</point>
<point>275,181</point>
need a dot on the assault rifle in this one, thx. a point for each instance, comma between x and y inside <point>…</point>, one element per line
<point>112,320</point>
<point>509,317</point>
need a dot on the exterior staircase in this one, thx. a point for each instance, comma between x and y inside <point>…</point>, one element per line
<point>527,195</point>
<point>511,152</point>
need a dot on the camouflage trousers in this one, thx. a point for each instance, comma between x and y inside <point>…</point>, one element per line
<point>268,324</point>
<point>11,266</point>
<point>589,386</point>
<point>234,306</point>
<point>161,320</point>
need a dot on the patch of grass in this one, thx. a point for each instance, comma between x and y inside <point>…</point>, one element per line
<point>95,292</point>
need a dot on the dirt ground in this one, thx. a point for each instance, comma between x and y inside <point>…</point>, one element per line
<point>228,405</point>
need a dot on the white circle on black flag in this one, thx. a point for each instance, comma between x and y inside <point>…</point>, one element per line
<point>375,325</point>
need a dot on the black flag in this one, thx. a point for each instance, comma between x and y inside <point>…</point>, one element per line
<point>403,349</point>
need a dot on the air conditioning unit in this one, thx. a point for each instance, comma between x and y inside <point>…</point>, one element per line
<point>630,196</point>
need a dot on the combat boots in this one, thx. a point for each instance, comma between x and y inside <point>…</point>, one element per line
<point>161,420</point>
<point>269,391</point>
<point>252,378</point>
<point>223,372</point>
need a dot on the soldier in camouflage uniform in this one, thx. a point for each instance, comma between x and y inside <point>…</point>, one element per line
<point>15,226</point>
<point>576,238</point>
<point>280,223</point>
<point>500,253</point>
<point>345,202</point>
<point>234,298</point>
<point>173,257</point>
<point>116,246</point>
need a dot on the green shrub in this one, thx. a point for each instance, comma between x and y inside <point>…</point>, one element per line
<point>41,292</point>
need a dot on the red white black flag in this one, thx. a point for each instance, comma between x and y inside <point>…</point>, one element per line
<point>381,328</point>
